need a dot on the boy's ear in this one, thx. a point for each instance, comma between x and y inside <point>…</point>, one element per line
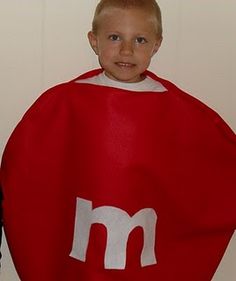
<point>93,41</point>
<point>157,46</point>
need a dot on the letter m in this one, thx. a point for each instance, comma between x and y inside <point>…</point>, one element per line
<point>119,225</point>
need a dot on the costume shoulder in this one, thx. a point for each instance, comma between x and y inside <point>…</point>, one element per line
<point>195,106</point>
<point>58,94</point>
<point>50,102</point>
<point>49,98</point>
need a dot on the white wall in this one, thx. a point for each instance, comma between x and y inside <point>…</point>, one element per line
<point>44,42</point>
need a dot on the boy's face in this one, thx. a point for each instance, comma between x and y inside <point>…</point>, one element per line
<point>125,42</point>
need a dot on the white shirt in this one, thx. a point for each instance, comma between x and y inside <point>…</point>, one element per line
<point>146,85</point>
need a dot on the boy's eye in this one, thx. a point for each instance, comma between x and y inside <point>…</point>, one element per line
<point>141,40</point>
<point>114,37</point>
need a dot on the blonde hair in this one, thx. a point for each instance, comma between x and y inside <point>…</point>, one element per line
<point>150,6</point>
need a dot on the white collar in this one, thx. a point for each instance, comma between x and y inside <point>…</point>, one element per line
<point>146,85</point>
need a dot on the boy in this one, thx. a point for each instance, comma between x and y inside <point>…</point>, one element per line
<point>118,174</point>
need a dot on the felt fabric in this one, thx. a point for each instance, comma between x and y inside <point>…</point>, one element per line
<point>107,184</point>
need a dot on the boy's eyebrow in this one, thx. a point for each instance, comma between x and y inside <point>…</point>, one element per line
<point>113,31</point>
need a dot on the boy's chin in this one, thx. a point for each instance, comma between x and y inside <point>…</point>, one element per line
<point>125,78</point>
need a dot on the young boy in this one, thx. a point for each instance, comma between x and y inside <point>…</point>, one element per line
<point>118,174</point>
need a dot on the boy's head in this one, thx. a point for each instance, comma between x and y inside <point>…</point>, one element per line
<point>125,35</point>
<point>150,6</point>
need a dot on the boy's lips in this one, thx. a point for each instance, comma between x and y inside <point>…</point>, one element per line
<point>125,64</point>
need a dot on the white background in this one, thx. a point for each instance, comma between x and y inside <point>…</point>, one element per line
<point>43,42</point>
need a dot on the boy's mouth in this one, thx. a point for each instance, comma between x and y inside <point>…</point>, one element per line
<point>125,64</point>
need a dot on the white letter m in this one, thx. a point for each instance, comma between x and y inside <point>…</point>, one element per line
<point>119,225</point>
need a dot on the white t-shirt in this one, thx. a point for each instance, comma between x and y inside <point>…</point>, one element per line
<point>146,85</point>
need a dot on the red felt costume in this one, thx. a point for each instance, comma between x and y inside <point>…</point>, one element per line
<point>156,168</point>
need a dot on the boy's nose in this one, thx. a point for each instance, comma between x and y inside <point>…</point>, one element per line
<point>126,48</point>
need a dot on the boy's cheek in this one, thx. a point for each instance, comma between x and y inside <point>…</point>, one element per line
<point>108,52</point>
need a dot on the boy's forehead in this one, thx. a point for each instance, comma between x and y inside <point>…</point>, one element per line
<point>117,16</point>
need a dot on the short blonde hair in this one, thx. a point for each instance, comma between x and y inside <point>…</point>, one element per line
<point>150,6</point>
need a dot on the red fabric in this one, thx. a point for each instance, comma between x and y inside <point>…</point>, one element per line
<point>130,150</point>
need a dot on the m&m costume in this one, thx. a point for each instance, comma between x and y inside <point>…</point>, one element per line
<point>106,184</point>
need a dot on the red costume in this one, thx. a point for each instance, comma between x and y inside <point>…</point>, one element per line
<point>107,184</point>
